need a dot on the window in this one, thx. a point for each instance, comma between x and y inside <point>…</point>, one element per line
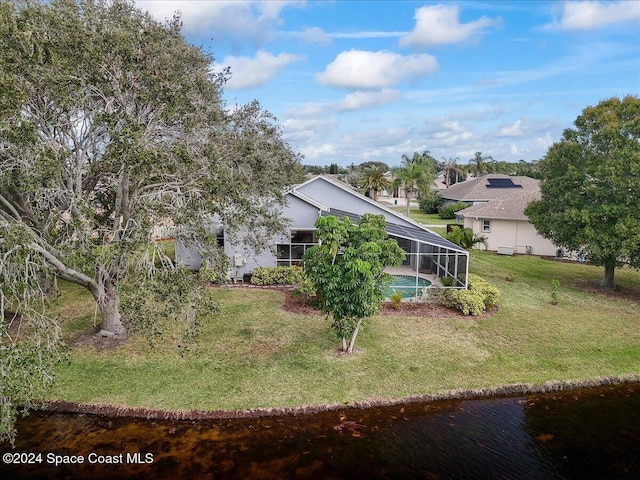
<point>291,253</point>
<point>486,225</point>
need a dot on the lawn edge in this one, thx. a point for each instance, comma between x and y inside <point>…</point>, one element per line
<point>61,406</point>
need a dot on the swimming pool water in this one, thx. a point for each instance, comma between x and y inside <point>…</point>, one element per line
<point>405,285</point>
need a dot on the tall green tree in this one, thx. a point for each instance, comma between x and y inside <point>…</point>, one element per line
<point>591,187</point>
<point>347,271</point>
<point>415,174</point>
<point>478,163</point>
<point>373,178</point>
<point>113,122</point>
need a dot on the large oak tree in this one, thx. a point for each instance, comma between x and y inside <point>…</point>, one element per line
<point>110,123</point>
<point>591,187</point>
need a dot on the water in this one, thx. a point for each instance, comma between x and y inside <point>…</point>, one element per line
<point>407,286</point>
<point>591,433</point>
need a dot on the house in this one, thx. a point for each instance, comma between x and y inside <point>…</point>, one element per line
<point>507,229</point>
<point>488,187</point>
<point>428,254</point>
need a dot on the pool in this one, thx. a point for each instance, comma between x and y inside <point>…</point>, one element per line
<point>406,285</point>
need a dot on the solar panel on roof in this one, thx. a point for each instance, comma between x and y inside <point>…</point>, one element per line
<point>502,183</point>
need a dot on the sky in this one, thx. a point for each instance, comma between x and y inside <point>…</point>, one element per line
<point>371,80</point>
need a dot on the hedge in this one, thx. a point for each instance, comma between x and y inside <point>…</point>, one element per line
<point>479,296</point>
<point>276,275</point>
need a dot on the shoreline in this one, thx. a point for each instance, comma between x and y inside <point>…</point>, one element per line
<point>60,406</point>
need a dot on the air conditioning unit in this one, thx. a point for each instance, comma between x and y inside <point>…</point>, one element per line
<point>505,250</point>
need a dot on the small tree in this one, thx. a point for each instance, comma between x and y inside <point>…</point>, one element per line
<point>347,270</point>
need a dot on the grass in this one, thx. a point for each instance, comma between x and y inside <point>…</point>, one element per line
<point>421,217</point>
<point>255,354</point>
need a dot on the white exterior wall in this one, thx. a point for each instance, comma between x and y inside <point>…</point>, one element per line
<point>518,234</point>
<point>302,216</point>
<point>334,197</point>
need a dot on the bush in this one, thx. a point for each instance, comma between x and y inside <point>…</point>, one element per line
<point>468,302</point>
<point>479,296</point>
<point>305,289</point>
<point>430,203</point>
<point>448,211</point>
<point>395,298</point>
<point>446,281</point>
<point>276,275</point>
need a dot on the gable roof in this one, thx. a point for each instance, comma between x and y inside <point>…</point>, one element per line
<point>347,188</point>
<point>489,187</point>
<point>508,207</point>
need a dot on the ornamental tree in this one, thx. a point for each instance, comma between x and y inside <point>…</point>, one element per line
<point>591,187</point>
<point>347,271</point>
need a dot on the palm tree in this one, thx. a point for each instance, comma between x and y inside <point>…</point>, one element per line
<point>414,176</point>
<point>373,179</point>
<point>448,166</point>
<point>479,163</point>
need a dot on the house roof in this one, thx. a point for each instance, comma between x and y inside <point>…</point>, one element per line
<point>419,234</point>
<point>489,187</point>
<point>508,207</point>
<point>347,188</point>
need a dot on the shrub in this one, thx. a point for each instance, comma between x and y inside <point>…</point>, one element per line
<point>468,302</point>
<point>276,275</point>
<point>479,296</point>
<point>490,294</point>
<point>446,281</point>
<point>430,203</point>
<point>448,211</point>
<point>305,289</point>
<point>395,298</point>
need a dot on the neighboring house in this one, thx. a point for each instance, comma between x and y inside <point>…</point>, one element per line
<point>428,253</point>
<point>506,227</point>
<point>487,188</point>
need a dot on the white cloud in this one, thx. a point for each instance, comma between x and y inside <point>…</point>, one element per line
<point>590,14</point>
<point>512,130</point>
<point>249,72</point>
<point>439,25</point>
<point>363,69</point>
<point>307,130</point>
<point>358,100</point>
<point>227,21</point>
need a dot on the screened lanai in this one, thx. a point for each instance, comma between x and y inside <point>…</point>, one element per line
<point>429,256</point>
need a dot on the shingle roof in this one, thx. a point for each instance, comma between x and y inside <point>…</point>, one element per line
<point>479,189</point>
<point>509,207</point>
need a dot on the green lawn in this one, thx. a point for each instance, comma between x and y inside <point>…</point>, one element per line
<point>420,217</point>
<point>255,354</point>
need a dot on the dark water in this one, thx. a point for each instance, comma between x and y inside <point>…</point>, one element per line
<point>590,433</point>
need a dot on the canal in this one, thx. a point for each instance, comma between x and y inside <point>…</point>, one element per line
<point>586,433</point>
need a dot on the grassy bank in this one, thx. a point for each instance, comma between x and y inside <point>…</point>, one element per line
<point>255,354</point>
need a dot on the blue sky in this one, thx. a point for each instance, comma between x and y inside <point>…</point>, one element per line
<point>356,81</point>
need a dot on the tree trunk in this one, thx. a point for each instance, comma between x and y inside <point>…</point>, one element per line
<point>408,203</point>
<point>111,325</point>
<point>354,335</point>
<point>344,344</point>
<point>608,280</point>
